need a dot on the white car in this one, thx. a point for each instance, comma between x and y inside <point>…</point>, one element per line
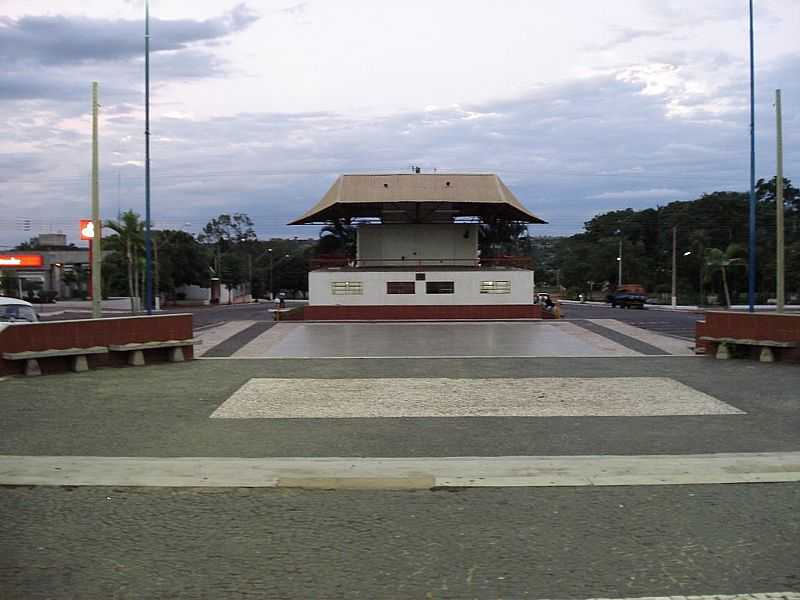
<point>17,311</point>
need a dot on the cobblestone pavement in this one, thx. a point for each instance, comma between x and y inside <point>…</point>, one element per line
<point>164,411</point>
<point>486,543</point>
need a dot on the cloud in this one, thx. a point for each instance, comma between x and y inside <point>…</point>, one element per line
<point>635,135</point>
<point>60,40</point>
<point>651,194</point>
<point>53,58</point>
<point>627,35</point>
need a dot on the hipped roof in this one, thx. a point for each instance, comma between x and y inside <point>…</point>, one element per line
<point>459,195</point>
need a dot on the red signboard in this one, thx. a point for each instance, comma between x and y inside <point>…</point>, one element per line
<point>87,229</point>
<point>20,261</point>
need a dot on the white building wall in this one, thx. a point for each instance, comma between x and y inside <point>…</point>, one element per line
<point>445,243</point>
<point>467,286</point>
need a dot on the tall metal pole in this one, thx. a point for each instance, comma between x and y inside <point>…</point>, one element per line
<point>148,253</point>
<point>751,253</point>
<point>271,266</point>
<point>780,287</point>
<point>674,266</point>
<point>97,288</point>
<point>619,264</point>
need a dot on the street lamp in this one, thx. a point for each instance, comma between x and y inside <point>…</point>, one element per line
<point>675,265</point>
<point>271,292</point>
<point>272,268</point>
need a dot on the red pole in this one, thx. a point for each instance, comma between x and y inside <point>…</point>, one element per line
<point>89,285</point>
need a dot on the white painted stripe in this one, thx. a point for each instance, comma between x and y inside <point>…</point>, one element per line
<point>670,345</point>
<point>307,398</point>
<point>216,335</point>
<point>376,473</point>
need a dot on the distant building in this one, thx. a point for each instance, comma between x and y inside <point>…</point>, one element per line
<point>45,267</point>
<point>417,253</point>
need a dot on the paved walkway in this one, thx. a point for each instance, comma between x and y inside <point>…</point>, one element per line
<point>622,471</point>
<point>601,337</point>
<point>402,473</point>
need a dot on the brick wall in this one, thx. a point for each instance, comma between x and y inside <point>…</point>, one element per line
<point>420,312</point>
<point>751,326</point>
<point>92,332</point>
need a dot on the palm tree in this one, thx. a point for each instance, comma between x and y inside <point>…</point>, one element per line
<point>718,260</point>
<point>339,236</point>
<point>130,241</point>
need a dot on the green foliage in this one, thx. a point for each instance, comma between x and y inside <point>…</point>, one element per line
<point>338,238</point>
<point>718,220</point>
<point>234,270</point>
<point>503,238</point>
<point>228,230</point>
<point>181,260</point>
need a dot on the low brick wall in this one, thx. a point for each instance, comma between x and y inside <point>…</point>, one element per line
<point>751,326</point>
<point>92,332</point>
<point>421,312</point>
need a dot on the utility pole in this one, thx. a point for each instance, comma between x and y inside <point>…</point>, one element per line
<point>674,266</point>
<point>271,265</point>
<point>250,273</point>
<point>156,282</point>
<point>619,265</point>
<point>751,252</point>
<point>97,288</point>
<point>148,256</point>
<point>780,291</point>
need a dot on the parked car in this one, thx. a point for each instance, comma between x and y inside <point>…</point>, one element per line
<point>13,310</point>
<point>627,296</point>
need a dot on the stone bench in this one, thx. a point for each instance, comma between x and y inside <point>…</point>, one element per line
<point>136,350</point>
<point>723,343</point>
<point>31,358</point>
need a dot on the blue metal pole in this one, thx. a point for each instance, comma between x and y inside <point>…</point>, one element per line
<point>751,253</point>
<point>148,254</point>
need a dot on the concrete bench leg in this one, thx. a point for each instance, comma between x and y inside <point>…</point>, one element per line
<point>32,368</point>
<point>766,355</point>
<point>723,352</point>
<point>176,354</point>
<point>79,363</point>
<point>136,358</point>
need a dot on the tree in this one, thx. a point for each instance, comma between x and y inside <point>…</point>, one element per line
<point>233,271</point>
<point>338,238</point>
<point>227,230</point>
<point>181,260</point>
<point>719,260</point>
<point>500,237</point>
<point>129,241</point>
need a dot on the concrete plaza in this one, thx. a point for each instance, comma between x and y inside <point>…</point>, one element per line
<point>585,338</point>
<point>627,471</point>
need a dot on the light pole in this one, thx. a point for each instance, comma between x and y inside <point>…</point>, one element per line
<point>619,264</point>
<point>148,294</point>
<point>674,266</point>
<point>675,274</point>
<point>271,264</point>
<point>751,252</point>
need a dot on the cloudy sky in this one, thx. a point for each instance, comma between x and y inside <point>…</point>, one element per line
<point>257,105</point>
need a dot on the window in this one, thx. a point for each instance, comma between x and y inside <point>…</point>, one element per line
<point>347,288</point>
<point>439,287</point>
<point>400,287</point>
<point>495,287</point>
<point>420,276</point>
